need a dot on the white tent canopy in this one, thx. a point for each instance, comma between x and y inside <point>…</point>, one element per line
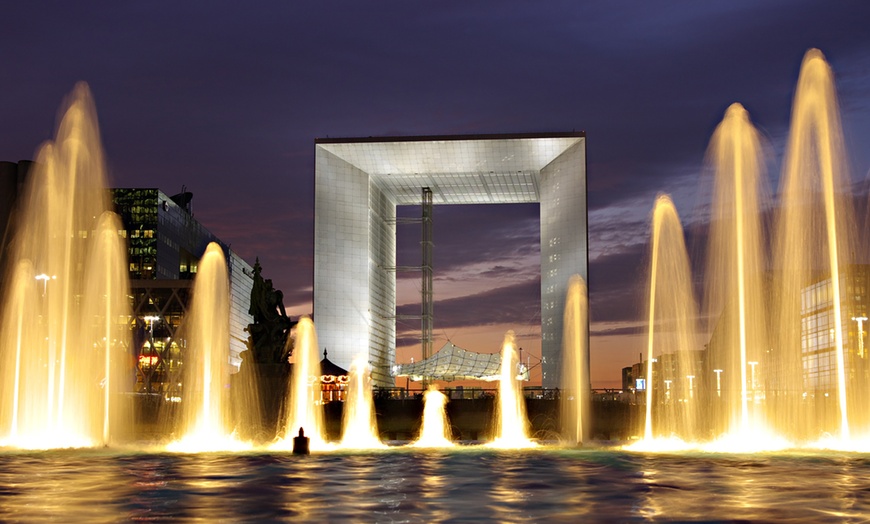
<point>453,363</point>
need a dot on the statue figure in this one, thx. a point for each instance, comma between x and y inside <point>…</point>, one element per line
<point>265,366</point>
<point>268,333</point>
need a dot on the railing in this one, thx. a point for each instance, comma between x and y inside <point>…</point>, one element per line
<point>534,392</point>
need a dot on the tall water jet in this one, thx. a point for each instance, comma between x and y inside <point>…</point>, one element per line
<point>575,358</point>
<point>735,297</point>
<point>107,287</point>
<point>359,426</point>
<point>304,409</point>
<point>435,429</point>
<point>55,386</point>
<point>205,423</point>
<point>512,425</point>
<point>671,344</point>
<point>814,237</point>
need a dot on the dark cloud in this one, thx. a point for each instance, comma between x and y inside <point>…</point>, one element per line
<point>615,331</point>
<point>517,305</point>
<point>468,234</point>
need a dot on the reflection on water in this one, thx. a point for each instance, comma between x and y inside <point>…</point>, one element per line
<point>466,484</point>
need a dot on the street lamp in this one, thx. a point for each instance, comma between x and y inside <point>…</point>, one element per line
<point>668,389</point>
<point>150,320</point>
<point>718,381</point>
<point>691,385</point>
<point>45,278</point>
<point>860,320</point>
<point>152,352</point>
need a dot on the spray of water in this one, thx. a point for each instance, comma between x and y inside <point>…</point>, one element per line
<point>512,425</point>
<point>359,426</point>
<point>575,357</point>
<point>435,429</point>
<point>303,405</point>
<point>672,400</point>
<point>814,236</point>
<point>64,357</point>
<point>205,415</point>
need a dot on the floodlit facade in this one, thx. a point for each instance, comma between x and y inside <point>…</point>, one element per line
<point>359,183</point>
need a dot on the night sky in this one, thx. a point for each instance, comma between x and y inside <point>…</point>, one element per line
<point>227,98</point>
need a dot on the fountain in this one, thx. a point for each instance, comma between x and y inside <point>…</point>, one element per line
<point>814,235</point>
<point>435,429</point>
<point>671,336</point>
<point>303,406</point>
<point>512,426</point>
<point>359,426</point>
<point>64,359</point>
<point>772,389</point>
<point>735,284</point>
<point>575,359</point>
<point>205,423</point>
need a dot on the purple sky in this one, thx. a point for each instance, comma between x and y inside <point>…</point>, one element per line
<point>227,98</point>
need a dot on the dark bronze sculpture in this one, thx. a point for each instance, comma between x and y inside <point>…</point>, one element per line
<point>262,378</point>
<point>268,334</point>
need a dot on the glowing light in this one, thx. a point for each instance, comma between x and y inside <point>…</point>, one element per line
<point>511,422</point>
<point>207,441</point>
<point>359,426</point>
<point>303,396</point>
<point>748,440</point>
<point>148,360</point>
<point>435,429</point>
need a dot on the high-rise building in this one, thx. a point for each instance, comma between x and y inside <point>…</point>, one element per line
<point>165,243</point>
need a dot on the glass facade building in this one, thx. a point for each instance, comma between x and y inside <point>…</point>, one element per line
<point>164,245</point>
<point>817,329</point>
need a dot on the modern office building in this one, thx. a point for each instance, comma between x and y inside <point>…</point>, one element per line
<point>818,350</point>
<point>359,183</point>
<point>165,243</point>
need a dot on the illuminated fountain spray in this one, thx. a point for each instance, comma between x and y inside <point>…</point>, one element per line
<point>359,426</point>
<point>735,288</point>
<point>512,425</point>
<point>63,356</point>
<point>575,358</point>
<point>435,429</point>
<point>813,233</point>
<point>205,411</point>
<point>303,396</point>
<point>670,397</point>
<point>106,282</point>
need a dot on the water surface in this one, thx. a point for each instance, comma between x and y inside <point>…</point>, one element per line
<point>466,485</point>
